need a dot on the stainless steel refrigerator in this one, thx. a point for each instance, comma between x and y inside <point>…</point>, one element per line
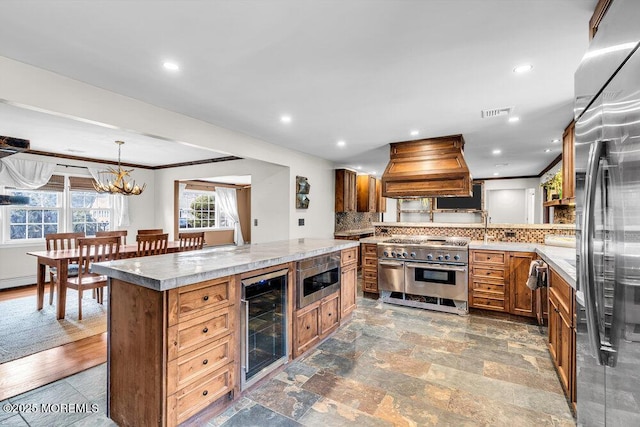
<point>607,147</point>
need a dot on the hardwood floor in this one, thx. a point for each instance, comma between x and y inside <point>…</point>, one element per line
<point>33,371</point>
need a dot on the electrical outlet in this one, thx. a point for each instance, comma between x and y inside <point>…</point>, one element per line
<point>255,222</point>
<point>509,234</point>
<point>300,222</point>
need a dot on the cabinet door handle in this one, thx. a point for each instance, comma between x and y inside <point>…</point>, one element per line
<point>308,327</point>
<point>205,361</point>
<point>205,330</point>
<point>204,393</point>
<point>206,297</point>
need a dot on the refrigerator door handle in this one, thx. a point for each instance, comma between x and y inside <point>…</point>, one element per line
<point>587,271</point>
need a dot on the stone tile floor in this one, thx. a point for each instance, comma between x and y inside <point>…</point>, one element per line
<point>390,365</point>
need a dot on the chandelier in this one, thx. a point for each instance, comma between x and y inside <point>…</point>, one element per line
<point>118,184</point>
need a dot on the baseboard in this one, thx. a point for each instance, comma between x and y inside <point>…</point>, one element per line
<point>15,282</point>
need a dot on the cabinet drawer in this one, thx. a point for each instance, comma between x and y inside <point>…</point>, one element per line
<point>488,272</point>
<point>200,362</point>
<point>369,273</point>
<point>493,288</point>
<point>185,336</point>
<point>371,249</point>
<point>488,257</point>
<point>349,255</point>
<point>371,262</point>
<point>369,285</point>
<point>480,301</point>
<point>561,289</point>
<point>199,299</point>
<point>200,394</point>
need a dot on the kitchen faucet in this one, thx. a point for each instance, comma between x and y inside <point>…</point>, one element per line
<point>486,225</point>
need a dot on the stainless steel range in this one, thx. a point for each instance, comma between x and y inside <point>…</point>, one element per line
<point>427,272</point>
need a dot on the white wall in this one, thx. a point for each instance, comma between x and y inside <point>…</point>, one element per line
<point>273,201</point>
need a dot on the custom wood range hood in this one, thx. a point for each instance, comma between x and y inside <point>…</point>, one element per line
<point>9,146</point>
<point>433,167</point>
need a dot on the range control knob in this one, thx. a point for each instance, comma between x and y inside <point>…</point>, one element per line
<point>413,255</point>
<point>393,254</point>
<point>404,254</point>
<point>447,256</point>
<point>456,257</point>
<point>440,257</point>
<point>385,253</point>
<point>429,257</point>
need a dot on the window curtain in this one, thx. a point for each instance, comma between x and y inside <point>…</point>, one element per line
<point>25,174</point>
<point>228,203</point>
<point>120,202</point>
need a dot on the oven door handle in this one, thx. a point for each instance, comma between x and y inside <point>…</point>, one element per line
<point>436,267</point>
<point>391,263</point>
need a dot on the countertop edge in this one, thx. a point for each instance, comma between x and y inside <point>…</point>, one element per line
<point>121,269</point>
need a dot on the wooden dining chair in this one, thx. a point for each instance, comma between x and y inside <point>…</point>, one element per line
<point>152,244</point>
<point>118,233</point>
<point>93,249</point>
<point>151,231</point>
<point>191,241</point>
<point>59,242</point>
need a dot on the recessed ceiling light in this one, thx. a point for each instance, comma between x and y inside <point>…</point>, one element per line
<point>523,68</point>
<point>514,119</point>
<point>496,173</point>
<point>555,141</point>
<point>547,150</point>
<point>285,119</point>
<point>414,132</point>
<point>171,66</point>
<point>341,143</point>
<point>73,150</point>
<point>496,152</point>
<point>359,167</point>
<point>373,172</point>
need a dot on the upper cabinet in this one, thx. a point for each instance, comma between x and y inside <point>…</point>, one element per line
<point>345,190</point>
<point>568,168</point>
<point>367,198</point>
<point>362,193</point>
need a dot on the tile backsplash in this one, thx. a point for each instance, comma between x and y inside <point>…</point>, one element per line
<point>531,233</point>
<point>346,221</point>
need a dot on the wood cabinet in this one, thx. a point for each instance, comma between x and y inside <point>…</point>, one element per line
<point>366,190</point>
<point>497,281</point>
<point>562,331</point>
<point>381,202</point>
<point>522,300</point>
<point>171,353</point>
<point>348,281</point>
<point>315,322</point>
<point>369,267</point>
<point>568,167</point>
<point>488,278</point>
<point>345,196</point>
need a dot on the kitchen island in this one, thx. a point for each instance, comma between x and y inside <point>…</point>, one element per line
<point>174,324</point>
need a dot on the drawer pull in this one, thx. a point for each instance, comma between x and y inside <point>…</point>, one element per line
<point>329,314</point>
<point>206,297</point>
<point>308,327</point>
<point>205,361</point>
<point>205,330</point>
<point>204,393</point>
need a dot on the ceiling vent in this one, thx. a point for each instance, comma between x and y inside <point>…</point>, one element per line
<point>496,112</point>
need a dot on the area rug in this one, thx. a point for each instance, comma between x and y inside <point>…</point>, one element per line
<point>24,330</point>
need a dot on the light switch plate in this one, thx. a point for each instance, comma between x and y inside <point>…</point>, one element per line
<point>255,222</point>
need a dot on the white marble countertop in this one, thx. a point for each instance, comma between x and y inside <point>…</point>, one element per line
<point>164,272</point>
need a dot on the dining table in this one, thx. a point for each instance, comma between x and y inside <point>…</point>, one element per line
<point>60,259</point>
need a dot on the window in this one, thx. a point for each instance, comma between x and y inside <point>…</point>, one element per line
<point>41,216</point>
<point>198,210</point>
<point>57,208</point>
